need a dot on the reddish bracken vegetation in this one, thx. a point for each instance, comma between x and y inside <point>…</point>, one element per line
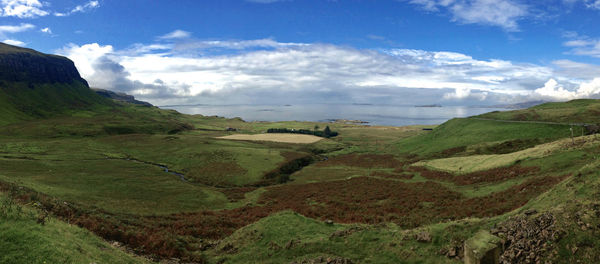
<point>362,199</point>
<point>388,175</point>
<point>363,161</point>
<point>487,176</point>
<point>236,194</point>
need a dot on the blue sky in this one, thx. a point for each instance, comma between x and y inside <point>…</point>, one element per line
<point>290,51</point>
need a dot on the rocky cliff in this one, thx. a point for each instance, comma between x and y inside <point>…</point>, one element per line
<point>26,65</point>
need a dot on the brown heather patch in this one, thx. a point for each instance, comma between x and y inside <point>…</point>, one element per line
<point>236,194</point>
<point>358,200</point>
<point>450,152</point>
<point>363,161</point>
<point>487,176</point>
<point>392,175</point>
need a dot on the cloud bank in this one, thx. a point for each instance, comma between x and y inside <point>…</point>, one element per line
<point>266,71</point>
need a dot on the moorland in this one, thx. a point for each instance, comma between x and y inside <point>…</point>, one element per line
<point>87,178</point>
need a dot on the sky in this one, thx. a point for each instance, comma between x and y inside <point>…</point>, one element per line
<point>397,52</point>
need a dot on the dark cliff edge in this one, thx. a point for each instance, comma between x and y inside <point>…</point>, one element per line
<point>27,65</point>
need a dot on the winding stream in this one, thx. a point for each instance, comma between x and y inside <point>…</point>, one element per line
<point>163,167</point>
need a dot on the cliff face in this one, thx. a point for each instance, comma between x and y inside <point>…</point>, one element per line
<point>26,65</point>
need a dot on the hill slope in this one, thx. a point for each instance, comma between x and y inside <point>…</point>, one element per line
<point>575,111</point>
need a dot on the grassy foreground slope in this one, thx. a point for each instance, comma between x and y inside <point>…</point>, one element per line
<point>24,239</point>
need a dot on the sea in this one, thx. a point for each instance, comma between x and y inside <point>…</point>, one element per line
<point>374,115</point>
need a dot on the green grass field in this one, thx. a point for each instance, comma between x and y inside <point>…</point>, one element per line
<point>108,163</point>
<point>463,132</point>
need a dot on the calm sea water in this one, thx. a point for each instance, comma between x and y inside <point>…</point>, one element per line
<point>385,115</point>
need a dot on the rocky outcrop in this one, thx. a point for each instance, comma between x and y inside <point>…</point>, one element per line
<point>527,238</point>
<point>26,65</point>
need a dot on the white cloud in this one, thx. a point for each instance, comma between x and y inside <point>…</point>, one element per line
<point>554,91</point>
<point>177,34</point>
<point>14,42</point>
<point>236,44</point>
<point>595,4</point>
<point>22,8</point>
<point>308,72</point>
<point>9,29</point>
<point>46,30</point>
<point>592,4</point>
<point>85,56</point>
<point>576,70</point>
<point>502,13</point>
<point>80,8</point>
<point>4,29</point>
<point>582,45</point>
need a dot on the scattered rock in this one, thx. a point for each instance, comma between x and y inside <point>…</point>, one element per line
<point>324,260</point>
<point>345,233</point>
<point>229,249</point>
<point>292,243</point>
<point>525,239</point>
<point>452,252</point>
<point>274,246</point>
<point>574,250</point>
<point>531,212</point>
<point>443,251</point>
<point>424,237</point>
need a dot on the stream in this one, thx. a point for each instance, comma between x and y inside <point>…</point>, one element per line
<point>163,167</point>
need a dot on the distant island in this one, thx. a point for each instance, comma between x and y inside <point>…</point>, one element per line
<point>429,105</point>
<point>346,121</point>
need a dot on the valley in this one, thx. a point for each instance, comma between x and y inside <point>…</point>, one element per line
<point>132,183</point>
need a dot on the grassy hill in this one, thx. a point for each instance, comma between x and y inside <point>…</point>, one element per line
<point>575,111</point>
<point>457,134</point>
